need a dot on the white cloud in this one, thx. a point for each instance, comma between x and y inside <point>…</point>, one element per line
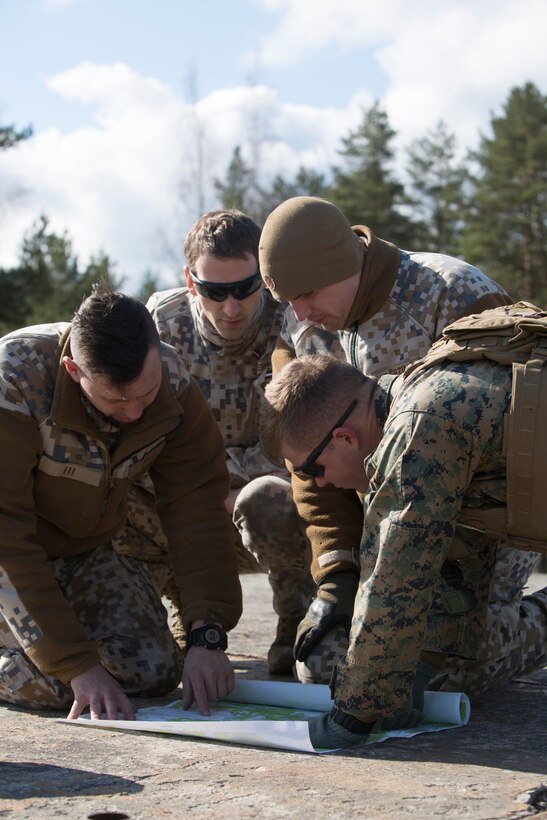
<point>305,28</point>
<point>130,183</point>
<point>106,184</point>
<point>126,184</point>
<point>460,63</point>
<point>455,61</point>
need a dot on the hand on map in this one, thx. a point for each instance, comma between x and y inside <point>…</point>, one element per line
<point>207,675</point>
<point>97,689</point>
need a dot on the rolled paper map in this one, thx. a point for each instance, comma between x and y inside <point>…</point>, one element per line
<point>446,707</point>
<point>282,693</point>
<point>247,716</point>
<point>439,707</point>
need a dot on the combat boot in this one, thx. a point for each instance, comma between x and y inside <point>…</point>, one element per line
<point>280,653</point>
<point>539,598</point>
<point>538,601</point>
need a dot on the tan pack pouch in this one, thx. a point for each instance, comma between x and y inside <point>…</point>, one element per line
<point>526,430</point>
<point>516,335</point>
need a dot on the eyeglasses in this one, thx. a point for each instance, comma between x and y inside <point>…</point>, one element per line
<point>218,291</point>
<point>308,468</point>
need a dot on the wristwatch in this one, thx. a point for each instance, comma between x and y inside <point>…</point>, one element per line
<point>210,636</point>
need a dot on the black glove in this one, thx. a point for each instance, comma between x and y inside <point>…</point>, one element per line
<point>408,720</point>
<point>332,605</point>
<point>338,730</point>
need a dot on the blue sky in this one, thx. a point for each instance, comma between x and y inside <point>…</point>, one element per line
<point>124,94</point>
<point>209,45</point>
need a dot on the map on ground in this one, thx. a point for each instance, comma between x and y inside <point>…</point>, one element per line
<point>274,714</point>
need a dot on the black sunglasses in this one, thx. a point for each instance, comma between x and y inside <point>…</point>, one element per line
<point>308,468</point>
<point>218,292</point>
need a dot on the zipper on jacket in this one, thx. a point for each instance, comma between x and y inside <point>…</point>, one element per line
<point>106,502</point>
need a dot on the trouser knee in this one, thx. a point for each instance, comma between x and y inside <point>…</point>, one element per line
<point>265,516</point>
<point>144,667</point>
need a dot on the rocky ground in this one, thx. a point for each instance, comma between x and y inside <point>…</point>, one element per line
<point>495,767</point>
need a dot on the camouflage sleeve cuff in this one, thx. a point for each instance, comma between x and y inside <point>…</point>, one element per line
<point>369,694</point>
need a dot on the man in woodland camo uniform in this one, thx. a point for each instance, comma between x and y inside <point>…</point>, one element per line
<point>420,447</point>
<point>224,326</point>
<point>387,306</point>
<point>85,410</point>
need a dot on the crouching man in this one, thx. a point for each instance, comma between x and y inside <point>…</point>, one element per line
<point>86,409</point>
<point>420,448</point>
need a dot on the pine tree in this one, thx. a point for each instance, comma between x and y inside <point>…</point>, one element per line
<point>47,285</point>
<point>149,284</point>
<point>366,189</point>
<point>306,183</point>
<point>437,191</point>
<point>10,137</point>
<point>236,190</point>
<point>506,233</point>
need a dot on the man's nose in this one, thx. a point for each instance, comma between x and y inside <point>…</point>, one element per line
<point>231,307</point>
<point>301,308</point>
<point>133,409</point>
<point>321,481</point>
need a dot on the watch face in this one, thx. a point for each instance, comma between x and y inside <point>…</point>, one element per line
<point>212,635</point>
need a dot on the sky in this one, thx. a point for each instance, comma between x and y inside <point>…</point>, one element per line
<point>133,101</point>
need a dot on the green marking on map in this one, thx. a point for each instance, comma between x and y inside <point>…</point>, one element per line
<point>228,710</point>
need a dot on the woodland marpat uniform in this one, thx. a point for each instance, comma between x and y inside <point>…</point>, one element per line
<point>429,291</point>
<point>441,449</point>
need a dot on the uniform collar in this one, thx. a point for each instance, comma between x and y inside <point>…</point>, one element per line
<point>69,411</point>
<point>385,392</point>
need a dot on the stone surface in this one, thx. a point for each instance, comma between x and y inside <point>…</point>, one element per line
<point>496,767</point>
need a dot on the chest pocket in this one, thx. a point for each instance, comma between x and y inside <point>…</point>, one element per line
<point>139,462</point>
<point>64,469</point>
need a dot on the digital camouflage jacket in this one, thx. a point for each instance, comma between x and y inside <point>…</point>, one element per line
<point>441,449</point>
<point>430,291</point>
<point>63,492</point>
<point>232,375</point>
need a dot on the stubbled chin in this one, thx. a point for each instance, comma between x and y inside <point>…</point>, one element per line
<point>326,324</point>
<point>231,331</point>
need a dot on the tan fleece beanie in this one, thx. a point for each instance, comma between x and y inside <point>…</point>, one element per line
<point>306,244</point>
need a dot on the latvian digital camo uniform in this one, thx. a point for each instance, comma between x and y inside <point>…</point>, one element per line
<point>428,292</point>
<point>232,376</point>
<point>441,450</point>
<point>68,601</point>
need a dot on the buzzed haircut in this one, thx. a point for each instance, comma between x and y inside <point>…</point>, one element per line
<point>112,334</point>
<point>223,234</point>
<point>304,400</point>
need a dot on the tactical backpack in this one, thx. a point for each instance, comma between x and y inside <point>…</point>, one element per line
<point>513,335</point>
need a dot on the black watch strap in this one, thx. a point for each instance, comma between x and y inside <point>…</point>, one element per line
<point>210,636</point>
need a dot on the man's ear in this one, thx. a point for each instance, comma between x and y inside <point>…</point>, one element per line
<point>72,369</point>
<point>189,284</point>
<point>347,435</point>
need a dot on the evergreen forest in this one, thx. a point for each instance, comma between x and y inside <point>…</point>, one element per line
<point>489,207</point>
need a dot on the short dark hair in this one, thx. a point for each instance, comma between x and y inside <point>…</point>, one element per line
<point>229,234</point>
<point>112,335</point>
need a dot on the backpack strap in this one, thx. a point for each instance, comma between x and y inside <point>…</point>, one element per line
<point>526,455</point>
<point>513,335</point>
